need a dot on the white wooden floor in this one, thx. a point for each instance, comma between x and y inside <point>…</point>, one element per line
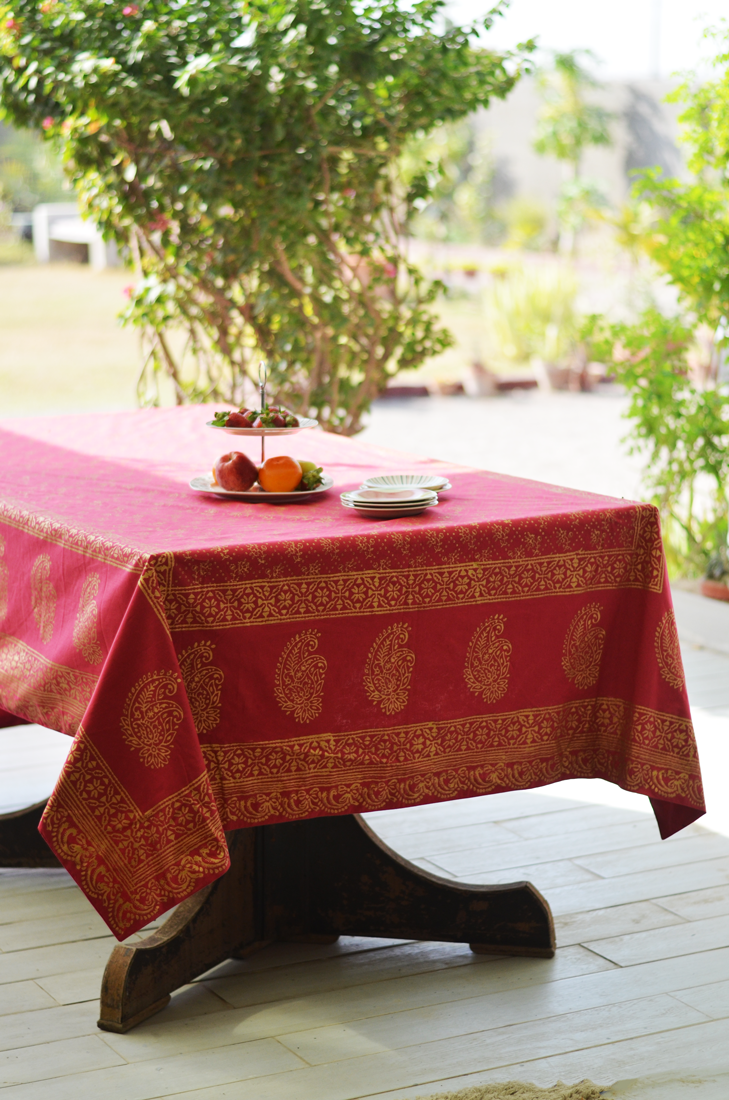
<point>640,983</point>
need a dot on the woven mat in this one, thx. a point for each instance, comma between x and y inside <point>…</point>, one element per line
<point>517,1090</point>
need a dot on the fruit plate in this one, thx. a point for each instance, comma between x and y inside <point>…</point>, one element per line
<point>392,482</point>
<point>304,422</point>
<point>256,495</point>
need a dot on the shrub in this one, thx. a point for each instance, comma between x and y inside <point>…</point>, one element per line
<point>246,154</point>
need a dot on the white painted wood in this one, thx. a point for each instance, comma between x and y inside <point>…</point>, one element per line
<point>24,997</point>
<point>44,931</point>
<point>565,821</point>
<point>700,904</point>
<point>469,811</point>
<point>618,920</point>
<point>52,1024</point>
<point>665,943</point>
<point>545,876</point>
<point>22,880</point>
<point>75,985</point>
<point>581,842</point>
<point>454,986</point>
<point>712,1000</point>
<point>666,853</point>
<point>60,902</point>
<point>52,1060</point>
<point>39,962</point>
<point>642,886</point>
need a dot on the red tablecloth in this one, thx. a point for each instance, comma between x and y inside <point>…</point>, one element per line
<point>224,664</point>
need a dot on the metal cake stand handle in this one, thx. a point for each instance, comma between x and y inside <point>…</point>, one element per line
<point>262,379</point>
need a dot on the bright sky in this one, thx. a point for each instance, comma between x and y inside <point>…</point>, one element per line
<point>632,38</point>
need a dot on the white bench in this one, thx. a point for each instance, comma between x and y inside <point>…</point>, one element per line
<point>61,221</point>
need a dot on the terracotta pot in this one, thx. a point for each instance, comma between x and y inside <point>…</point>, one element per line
<point>715,590</point>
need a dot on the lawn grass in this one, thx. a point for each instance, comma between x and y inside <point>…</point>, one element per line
<point>61,346</point>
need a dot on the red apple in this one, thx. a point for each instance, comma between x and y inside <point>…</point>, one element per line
<point>238,420</point>
<point>235,472</point>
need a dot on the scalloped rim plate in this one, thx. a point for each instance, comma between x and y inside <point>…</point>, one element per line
<point>436,482</point>
<point>205,484</point>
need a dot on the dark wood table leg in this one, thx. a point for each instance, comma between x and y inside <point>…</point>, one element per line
<point>315,880</point>
<point>21,845</point>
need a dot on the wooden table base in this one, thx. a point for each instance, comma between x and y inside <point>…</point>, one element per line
<point>312,881</point>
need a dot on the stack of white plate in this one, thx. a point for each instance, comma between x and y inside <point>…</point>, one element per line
<point>439,483</point>
<point>389,503</point>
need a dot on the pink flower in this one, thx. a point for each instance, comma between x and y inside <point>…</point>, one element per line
<point>389,271</point>
<point>130,9</point>
<point>349,192</point>
<point>128,291</point>
<point>47,123</point>
<point>161,222</point>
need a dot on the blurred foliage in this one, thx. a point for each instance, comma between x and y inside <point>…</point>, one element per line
<point>680,423</point>
<point>30,171</point>
<point>676,369</point>
<point>526,224</point>
<point>246,156</point>
<point>531,312</point>
<point>567,124</point>
<point>456,160</point>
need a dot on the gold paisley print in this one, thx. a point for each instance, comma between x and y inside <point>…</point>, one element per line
<point>487,662</point>
<point>84,629</point>
<point>203,684</point>
<point>583,644</point>
<point>43,596</point>
<point>668,651</point>
<point>4,584</point>
<point>300,672</point>
<point>31,686</point>
<point>388,669</point>
<point>151,717</point>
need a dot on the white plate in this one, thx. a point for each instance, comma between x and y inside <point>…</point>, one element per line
<point>442,487</point>
<point>414,481</point>
<point>377,498</point>
<point>205,484</point>
<point>304,422</point>
<point>389,513</point>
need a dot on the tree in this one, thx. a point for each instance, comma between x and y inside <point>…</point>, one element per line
<point>246,154</point>
<point>566,125</point>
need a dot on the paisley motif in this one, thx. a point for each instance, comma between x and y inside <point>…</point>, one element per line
<point>300,672</point>
<point>203,683</point>
<point>487,662</point>
<point>151,717</point>
<point>668,651</point>
<point>84,629</point>
<point>43,596</point>
<point>388,669</point>
<point>4,575</point>
<point>582,651</point>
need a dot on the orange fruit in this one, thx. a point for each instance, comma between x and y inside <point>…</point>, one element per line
<point>280,474</point>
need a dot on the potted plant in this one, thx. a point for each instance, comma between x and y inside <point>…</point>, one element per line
<point>715,584</point>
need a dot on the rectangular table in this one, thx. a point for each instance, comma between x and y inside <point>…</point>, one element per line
<point>226,666</point>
